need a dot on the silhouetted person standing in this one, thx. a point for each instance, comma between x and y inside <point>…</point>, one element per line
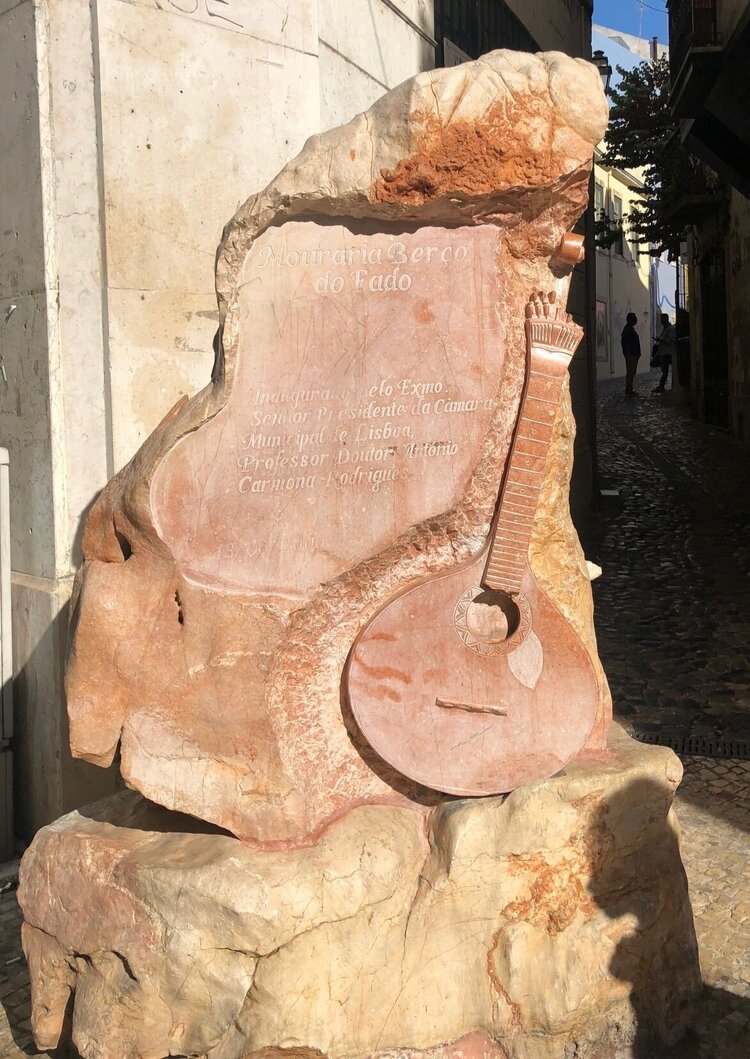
<point>667,345</point>
<point>631,350</point>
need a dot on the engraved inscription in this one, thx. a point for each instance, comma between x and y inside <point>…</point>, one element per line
<point>323,444</point>
<point>367,372</point>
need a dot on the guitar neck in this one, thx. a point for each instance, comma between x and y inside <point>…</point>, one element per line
<point>551,343</point>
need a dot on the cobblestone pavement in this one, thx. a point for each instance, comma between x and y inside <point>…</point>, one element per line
<point>673,623</point>
<point>673,626</point>
<point>675,594</point>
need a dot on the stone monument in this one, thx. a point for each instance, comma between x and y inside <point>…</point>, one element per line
<point>337,596</point>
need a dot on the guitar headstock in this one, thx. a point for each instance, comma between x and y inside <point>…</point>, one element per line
<point>547,324</point>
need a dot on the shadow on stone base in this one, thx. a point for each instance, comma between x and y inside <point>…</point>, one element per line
<point>548,923</point>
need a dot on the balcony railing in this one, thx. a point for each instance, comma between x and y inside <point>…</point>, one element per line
<point>692,24</point>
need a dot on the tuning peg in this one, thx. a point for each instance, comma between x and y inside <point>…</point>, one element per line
<point>571,249</point>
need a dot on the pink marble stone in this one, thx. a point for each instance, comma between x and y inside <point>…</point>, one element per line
<point>367,376</point>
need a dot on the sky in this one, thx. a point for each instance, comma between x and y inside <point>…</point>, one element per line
<point>647,19</point>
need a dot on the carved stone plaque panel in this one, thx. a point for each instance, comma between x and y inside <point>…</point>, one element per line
<point>367,374</point>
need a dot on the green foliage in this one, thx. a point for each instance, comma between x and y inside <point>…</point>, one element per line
<point>642,135</point>
<point>606,230</point>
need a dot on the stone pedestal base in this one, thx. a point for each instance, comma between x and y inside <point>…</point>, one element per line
<point>551,922</point>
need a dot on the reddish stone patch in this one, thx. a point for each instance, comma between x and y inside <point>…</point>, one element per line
<point>473,157</point>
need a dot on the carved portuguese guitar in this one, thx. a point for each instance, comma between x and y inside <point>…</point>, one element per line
<point>471,681</point>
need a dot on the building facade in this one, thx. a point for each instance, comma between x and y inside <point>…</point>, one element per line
<point>628,279</point>
<point>709,56</point>
<point>135,129</point>
<point>623,274</point>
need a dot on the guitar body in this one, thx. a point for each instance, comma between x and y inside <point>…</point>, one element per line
<point>472,682</point>
<point>449,695</point>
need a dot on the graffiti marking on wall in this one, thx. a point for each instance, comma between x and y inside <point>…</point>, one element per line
<point>213,9</point>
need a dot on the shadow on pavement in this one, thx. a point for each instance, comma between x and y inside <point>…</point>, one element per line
<point>642,886</point>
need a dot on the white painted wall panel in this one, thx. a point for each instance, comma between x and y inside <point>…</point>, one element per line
<point>24,386</point>
<point>288,22</point>
<point>345,90</point>
<point>195,118</point>
<point>369,35</point>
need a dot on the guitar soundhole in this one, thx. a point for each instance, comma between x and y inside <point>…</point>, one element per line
<point>490,621</point>
<point>492,616</point>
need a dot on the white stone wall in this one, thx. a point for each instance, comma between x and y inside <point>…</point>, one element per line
<point>25,376</point>
<point>202,102</point>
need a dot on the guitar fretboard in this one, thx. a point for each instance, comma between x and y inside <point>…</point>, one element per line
<point>519,498</point>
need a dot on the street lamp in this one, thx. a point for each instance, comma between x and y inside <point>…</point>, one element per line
<point>601,62</point>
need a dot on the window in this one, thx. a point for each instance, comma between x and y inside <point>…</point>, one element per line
<point>619,244</point>
<point>635,248</point>
<point>598,199</point>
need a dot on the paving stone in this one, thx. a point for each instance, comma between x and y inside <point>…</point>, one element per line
<point>673,624</point>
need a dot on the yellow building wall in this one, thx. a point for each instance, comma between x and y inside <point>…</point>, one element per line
<point>622,287</point>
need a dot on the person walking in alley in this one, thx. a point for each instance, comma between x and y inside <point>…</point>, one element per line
<point>666,342</point>
<point>631,350</point>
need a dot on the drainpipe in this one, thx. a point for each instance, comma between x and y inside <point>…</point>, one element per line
<point>610,313</point>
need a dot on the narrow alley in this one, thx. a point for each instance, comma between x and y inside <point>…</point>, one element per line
<point>673,625</point>
<point>672,613</point>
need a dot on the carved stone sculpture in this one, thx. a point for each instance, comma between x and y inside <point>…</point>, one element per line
<point>337,589</point>
<point>352,440</point>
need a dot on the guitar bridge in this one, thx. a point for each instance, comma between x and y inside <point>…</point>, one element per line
<point>472,707</point>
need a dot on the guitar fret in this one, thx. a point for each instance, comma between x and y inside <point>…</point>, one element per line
<point>531,497</point>
<point>550,388</point>
<point>533,441</point>
<point>508,582</point>
<point>531,400</point>
<point>523,459</point>
<point>536,374</point>
<point>506,573</point>
<point>508,558</point>
<point>522,512</point>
